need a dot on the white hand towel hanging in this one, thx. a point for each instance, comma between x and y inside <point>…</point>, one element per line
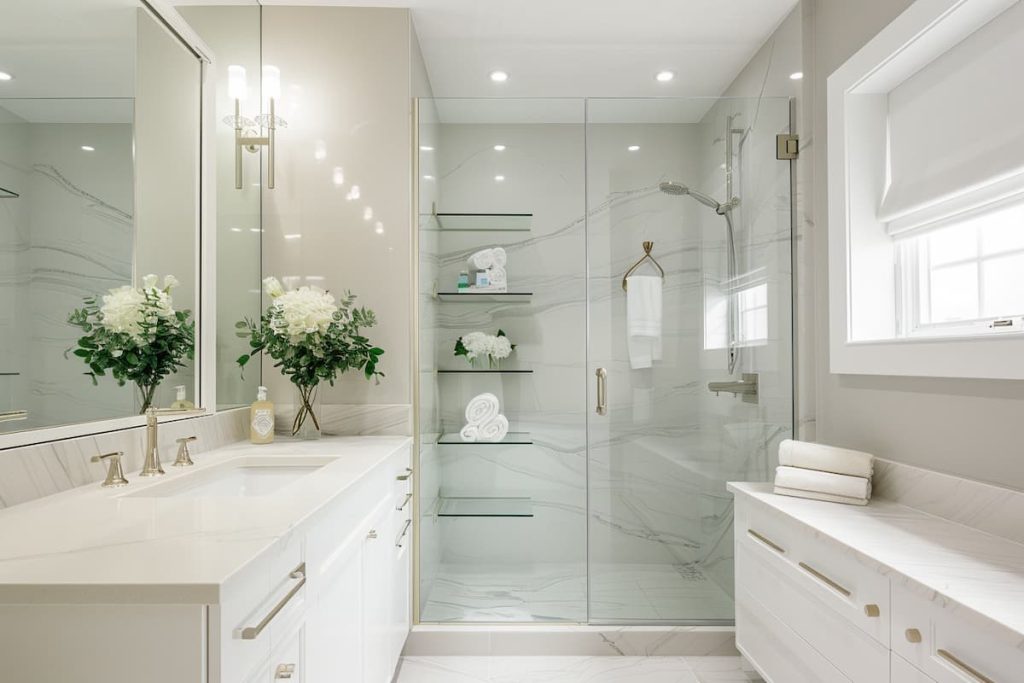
<point>643,320</point>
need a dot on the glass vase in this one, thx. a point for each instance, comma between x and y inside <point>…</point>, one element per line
<point>306,424</point>
<point>146,393</point>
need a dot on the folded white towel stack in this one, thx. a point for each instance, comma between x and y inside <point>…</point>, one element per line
<point>643,320</point>
<point>494,262</point>
<point>819,472</point>
<point>483,421</point>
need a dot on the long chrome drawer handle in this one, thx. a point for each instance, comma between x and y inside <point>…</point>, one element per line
<point>253,632</point>
<point>959,664</point>
<point>405,502</point>
<point>774,546</point>
<point>405,530</point>
<point>824,579</point>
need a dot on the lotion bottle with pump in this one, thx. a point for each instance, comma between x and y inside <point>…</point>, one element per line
<point>181,401</point>
<point>261,419</point>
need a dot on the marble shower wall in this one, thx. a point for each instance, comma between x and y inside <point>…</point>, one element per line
<point>543,174</point>
<point>68,235</point>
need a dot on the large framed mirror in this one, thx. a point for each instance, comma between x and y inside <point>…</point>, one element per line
<point>100,170</point>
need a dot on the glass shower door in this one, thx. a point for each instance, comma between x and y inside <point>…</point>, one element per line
<point>685,175</point>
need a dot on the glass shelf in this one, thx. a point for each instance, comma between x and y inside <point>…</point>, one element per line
<point>485,507</point>
<point>482,222</point>
<point>484,371</point>
<point>511,439</point>
<point>478,297</point>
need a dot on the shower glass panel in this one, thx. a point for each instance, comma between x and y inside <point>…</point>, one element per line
<point>660,518</point>
<point>618,515</point>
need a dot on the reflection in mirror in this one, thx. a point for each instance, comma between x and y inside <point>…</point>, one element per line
<point>99,165</point>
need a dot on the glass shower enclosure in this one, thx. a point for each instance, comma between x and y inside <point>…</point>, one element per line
<point>605,501</point>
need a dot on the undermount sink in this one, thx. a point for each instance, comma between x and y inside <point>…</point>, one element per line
<point>238,478</point>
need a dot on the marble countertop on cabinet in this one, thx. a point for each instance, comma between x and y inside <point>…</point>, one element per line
<point>95,545</point>
<point>947,562</point>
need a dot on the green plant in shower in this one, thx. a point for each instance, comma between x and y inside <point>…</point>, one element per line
<point>135,334</point>
<point>312,339</point>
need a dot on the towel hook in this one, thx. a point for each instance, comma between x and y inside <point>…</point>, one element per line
<point>648,246</point>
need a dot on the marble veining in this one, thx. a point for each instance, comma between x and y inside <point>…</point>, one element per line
<point>555,669</point>
<point>947,562</point>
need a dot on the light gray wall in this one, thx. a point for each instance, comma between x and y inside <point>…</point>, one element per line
<point>968,428</point>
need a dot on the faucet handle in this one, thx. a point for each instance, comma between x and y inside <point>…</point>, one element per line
<point>115,473</point>
<point>184,458</point>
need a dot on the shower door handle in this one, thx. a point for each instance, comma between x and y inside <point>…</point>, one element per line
<point>602,391</point>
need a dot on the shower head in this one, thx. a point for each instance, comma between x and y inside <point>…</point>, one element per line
<point>677,189</point>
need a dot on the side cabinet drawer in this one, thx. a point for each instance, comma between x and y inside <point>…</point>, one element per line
<point>903,671</point>
<point>775,650</point>
<point>952,648</point>
<point>783,591</point>
<point>856,592</point>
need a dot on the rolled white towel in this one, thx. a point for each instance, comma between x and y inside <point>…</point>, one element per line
<point>815,495</point>
<point>483,259</point>
<point>499,257</point>
<point>482,408</point>
<point>470,433</point>
<point>494,430</point>
<point>823,482</point>
<point>815,456</point>
<point>498,278</point>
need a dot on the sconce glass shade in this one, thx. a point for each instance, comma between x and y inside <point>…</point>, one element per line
<point>271,82</point>
<point>237,88</point>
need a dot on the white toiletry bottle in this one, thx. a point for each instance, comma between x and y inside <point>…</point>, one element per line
<point>261,418</point>
<point>181,401</point>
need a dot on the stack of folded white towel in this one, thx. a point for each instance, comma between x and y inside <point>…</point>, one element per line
<point>494,262</point>
<point>818,472</point>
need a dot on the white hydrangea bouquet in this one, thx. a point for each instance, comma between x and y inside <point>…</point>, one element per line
<point>478,345</point>
<point>136,335</point>
<point>312,339</point>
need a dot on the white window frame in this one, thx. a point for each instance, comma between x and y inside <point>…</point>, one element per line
<point>865,292</point>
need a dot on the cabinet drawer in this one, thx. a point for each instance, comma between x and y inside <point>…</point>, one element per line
<point>783,591</point>
<point>775,650</point>
<point>952,648</point>
<point>856,592</point>
<point>902,671</point>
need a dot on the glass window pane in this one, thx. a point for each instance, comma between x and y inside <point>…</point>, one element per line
<point>954,293</point>
<point>1004,286</point>
<point>1002,230</point>
<point>955,243</point>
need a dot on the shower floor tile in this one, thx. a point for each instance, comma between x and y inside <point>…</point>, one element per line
<point>558,592</point>
<point>575,670</point>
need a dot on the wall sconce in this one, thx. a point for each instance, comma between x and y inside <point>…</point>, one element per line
<point>246,135</point>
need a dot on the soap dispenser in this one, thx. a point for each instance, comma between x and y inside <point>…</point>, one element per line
<point>181,401</point>
<point>261,418</point>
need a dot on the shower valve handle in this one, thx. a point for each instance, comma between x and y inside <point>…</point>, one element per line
<point>602,391</point>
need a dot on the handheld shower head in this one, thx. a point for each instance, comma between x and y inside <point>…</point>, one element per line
<point>678,189</point>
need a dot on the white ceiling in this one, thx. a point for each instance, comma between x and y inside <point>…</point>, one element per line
<point>576,48</point>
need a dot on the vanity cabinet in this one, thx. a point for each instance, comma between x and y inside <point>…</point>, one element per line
<point>327,603</point>
<point>810,609</point>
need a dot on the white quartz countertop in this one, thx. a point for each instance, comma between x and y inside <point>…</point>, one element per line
<point>943,560</point>
<point>96,545</point>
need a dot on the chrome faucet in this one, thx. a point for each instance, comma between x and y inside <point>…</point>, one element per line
<point>151,467</point>
<point>746,387</point>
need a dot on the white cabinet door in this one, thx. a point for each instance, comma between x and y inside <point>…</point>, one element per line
<point>401,577</point>
<point>376,585</point>
<point>334,627</point>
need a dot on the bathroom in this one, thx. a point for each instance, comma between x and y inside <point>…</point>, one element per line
<point>449,341</point>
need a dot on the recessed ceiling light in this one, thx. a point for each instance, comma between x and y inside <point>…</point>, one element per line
<point>426,148</point>
<point>796,75</point>
<point>499,148</point>
<point>293,236</point>
<point>236,230</point>
<point>428,177</point>
<point>634,148</point>
<point>499,178</point>
<point>4,76</point>
<point>88,148</point>
<point>499,76</point>
<point>664,76</point>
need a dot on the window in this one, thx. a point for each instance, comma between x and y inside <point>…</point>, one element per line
<point>964,276</point>
<point>752,315</point>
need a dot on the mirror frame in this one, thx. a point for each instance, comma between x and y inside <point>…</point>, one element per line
<point>206,256</point>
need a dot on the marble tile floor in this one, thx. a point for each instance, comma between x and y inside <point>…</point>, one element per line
<point>558,592</point>
<point>575,670</point>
